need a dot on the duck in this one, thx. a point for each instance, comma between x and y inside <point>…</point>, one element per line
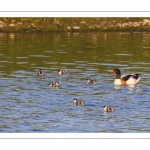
<point>78,102</point>
<point>126,79</point>
<point>108,109</point>
<point>89,81</point>
<point>61,72</point>
<point>40,73</point>
<point>51,84</point>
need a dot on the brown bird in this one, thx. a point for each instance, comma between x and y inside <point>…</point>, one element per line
<point>108,109</point>
<point>40,73</point>
<point>89,81</point>
<point>62,72</point>
<point>51,84</point>
<point>77,102</point>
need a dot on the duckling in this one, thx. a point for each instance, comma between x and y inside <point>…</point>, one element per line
<point>108,109</point>
<point>62,72</point>
<point>51,84</point>
<point>77,102</point>
<point>89,81</point>
<point>41,72</point>
<point>56,84</point>
<point>81,103</point>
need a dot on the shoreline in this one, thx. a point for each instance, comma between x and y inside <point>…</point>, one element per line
<point>100,24</point>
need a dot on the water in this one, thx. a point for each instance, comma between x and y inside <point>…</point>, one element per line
<point>28,104</point>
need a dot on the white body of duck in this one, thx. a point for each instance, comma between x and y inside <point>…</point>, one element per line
<point>126,79</point>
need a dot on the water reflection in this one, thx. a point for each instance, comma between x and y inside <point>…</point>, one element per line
<point>28,104</point>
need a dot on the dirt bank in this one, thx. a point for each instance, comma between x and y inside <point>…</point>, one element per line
<point>74,24</point>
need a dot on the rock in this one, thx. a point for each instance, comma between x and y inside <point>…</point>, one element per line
<point>11,25</point>
<point>1,25</point>
<point>83,22</point>
<point>76,27</point>
<point>68,28</point>
<point>146,21</point>
<point>19,23</point>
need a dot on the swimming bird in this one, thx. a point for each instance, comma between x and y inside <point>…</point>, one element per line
<point>40,73</point>
<point>77,102</point>
<point>108,109</point>
<point>51,84</point>
<point>62,72</point>
<point>89,81</point>
<point>126,79</point>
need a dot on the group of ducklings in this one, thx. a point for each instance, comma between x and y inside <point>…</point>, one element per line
<point>60,72</point>
<point>81,103</point>
<point>75,100</point>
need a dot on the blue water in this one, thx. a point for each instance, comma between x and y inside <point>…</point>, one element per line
<point>28,104</point>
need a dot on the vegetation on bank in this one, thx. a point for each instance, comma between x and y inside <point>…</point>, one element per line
<point>74,24</point>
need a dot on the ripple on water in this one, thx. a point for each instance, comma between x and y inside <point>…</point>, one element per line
<point>28,104</point>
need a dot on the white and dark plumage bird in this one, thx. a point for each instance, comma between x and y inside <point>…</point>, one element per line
<point>126,79</point>
<point>89,81</point>
<point>51,84</point>
<point>40,73</point>
<point>78,102</point>
<point>62,72</point>
<point>108,109</point>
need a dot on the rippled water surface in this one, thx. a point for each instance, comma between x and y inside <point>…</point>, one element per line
<point>28,104</point>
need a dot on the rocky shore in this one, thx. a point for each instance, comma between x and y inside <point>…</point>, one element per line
<point>74,24</point>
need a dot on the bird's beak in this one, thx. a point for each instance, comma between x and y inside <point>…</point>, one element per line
<point>112,72</point>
